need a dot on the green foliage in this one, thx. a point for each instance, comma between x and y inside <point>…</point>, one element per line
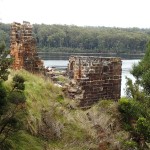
<point>8,145</point>
<point>135,114</point>
<point>18,82</point>
<point>72,132</point>
<point>137,70</point>
<point>129,109</point>
<point>136,111</point>
<point>17,97</point>
<point>22,140</point>
<point>3,100</point>
<point>135,120</point>
<point>12,110</point>
<point>19,79</point>
<point>51,115</point>
<point>105,103</point>
<point>4,62</point>
<point>72,38</point>
<point>2,46</point>
<point>89,39</point>
<point>130,145</point>
<point>142,72</point>
<point>2,94</point>
<point>143,128</point>
<point>133,90</point>
<point>146,81</point>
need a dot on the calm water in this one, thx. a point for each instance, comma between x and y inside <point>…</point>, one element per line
<point>126,67</point>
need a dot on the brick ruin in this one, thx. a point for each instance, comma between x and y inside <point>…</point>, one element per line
<point>93,79</point>
<point>23,48</point>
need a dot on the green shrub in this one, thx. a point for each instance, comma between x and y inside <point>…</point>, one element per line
<point>18,78</point>
<point>129,108</point>
<point>137,70</point>
<point>16,97</point>
<point>127,126</point>
<point>8,145</point>
<point>3,100</point>
<point>136,111</point>
<point>146,81</point>
<point>22,140</point>
<point>2,95</point>
<point>18,82</point>
<point>143,128</point>
<point>130,145</point>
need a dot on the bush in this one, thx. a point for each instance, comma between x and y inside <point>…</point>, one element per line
<point>130,145</point>
<point>143,128</point>
<point>2,95</point>
<point>136,111</point>
<point>146,81</point>
<point>3,100</point>
<point>12,116</point>
<point>18,78</point>
<point>129,108</point>
<point>137,70</point>
<point>17,97</point>
<point>19,82</point>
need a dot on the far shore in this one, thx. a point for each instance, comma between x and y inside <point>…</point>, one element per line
<point>65,55</point>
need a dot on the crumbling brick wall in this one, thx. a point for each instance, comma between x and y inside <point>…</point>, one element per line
<point>23,48</point>
<point>94,79</point>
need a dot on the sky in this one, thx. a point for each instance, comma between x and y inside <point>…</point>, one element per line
<point>108,13</point>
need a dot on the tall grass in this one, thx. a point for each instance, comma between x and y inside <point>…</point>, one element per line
<point>43,96</point>
<point>59,124</point>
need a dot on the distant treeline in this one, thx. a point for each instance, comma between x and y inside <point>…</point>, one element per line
<point>70,38</point>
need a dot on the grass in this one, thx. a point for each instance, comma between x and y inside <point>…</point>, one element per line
<point>73,128</point>
<point>43,96</point>
<point>24,141</point>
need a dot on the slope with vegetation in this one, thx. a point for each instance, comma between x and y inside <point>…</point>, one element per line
<point>46,119</point>
<point>35,115</point>
<point>52,121</point>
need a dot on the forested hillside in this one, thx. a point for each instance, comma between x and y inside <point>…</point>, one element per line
<point>85,39</point>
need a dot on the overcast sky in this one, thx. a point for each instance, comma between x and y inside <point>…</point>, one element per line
<point>109,13</point>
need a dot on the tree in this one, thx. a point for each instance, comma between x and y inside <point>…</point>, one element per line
<point>4,62</point>
<point>141,71</point>
<point>135,109</point>
<point>12,108</point>
<point>85,39</point>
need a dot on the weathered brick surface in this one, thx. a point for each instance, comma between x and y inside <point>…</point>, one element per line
<point>23,47</point>
<point>94,79</point>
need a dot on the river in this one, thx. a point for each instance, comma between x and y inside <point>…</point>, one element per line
<point>126,67</point>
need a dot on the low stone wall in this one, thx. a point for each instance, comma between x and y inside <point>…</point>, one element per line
<point>94,79</point>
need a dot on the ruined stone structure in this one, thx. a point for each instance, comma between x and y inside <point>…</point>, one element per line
<point>23,48</point>
<point>94,79</point>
